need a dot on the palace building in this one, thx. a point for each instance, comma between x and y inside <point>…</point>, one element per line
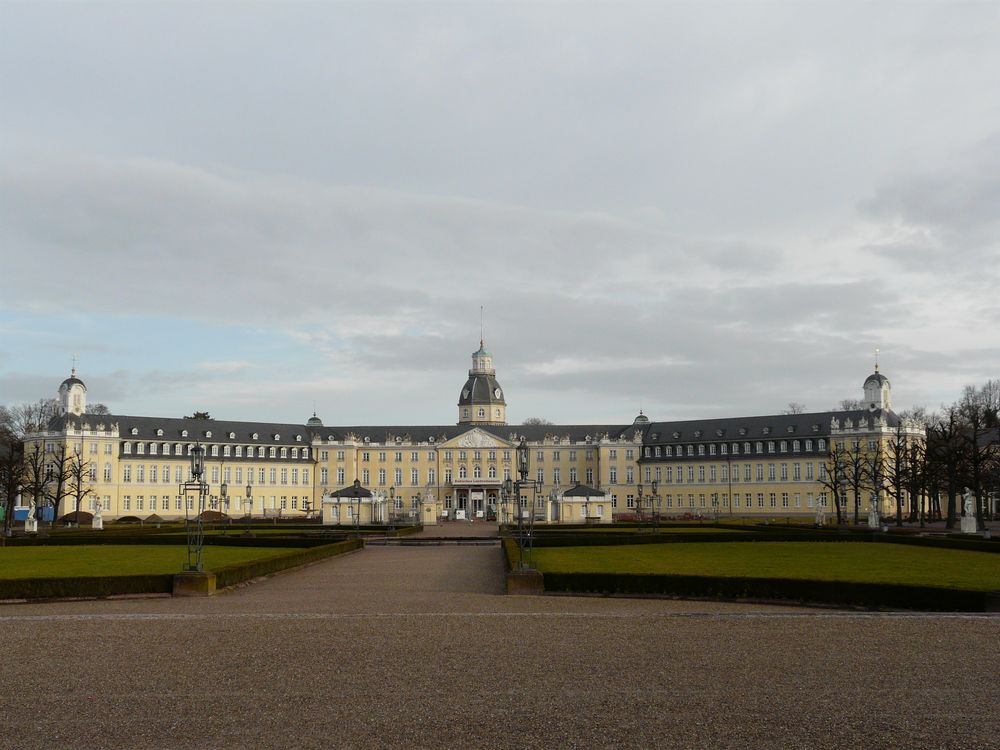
<point>765,465</point>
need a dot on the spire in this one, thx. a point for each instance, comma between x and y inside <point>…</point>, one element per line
<point>482,328</point>
<point>72,372</point>
<point>876,359</point>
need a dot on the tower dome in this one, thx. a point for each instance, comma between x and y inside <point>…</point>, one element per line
<point>878,391</point>
<point>482,400</point>
<point>72,395</point>
<point>314,421</point>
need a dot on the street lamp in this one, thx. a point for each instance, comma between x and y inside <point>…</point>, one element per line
<point>655,496</point>
<point>392,506</point>
<point>195,532</point>
<point>248,533</point>
<point>524,537</point>
<point>638,506</point>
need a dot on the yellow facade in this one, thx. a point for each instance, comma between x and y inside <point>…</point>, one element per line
<point>757,466</point>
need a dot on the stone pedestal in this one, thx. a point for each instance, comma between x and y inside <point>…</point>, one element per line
<point>30,525</point>
<point>874,523</point>
<point>525,582</point>
<point>968,524</point>
<point>97,523</point>
<point>194,584</point>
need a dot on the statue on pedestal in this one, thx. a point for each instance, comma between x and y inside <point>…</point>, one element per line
<point>98,520</point>
<point>969,519</point>
<point>874,521</point>
<point>31,522</point>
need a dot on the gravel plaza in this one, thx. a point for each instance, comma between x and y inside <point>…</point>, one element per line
<point>419,647</point>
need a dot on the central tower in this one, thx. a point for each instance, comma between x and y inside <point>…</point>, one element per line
<point>481,401</point>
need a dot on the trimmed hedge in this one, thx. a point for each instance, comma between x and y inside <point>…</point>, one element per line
<point>894,596</point>
<point>103,586</point>
<point>233,574</point>
<point>91,586</point>
<point>175,539</point>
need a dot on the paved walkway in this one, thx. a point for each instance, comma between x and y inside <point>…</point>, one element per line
<point>417,647</point>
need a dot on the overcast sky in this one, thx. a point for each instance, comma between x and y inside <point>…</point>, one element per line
<point>700,209</point>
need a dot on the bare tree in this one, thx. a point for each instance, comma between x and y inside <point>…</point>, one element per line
<point>833,476</point>
<point>946,454</point>
<point>794,407</point>
<point>98,409</point>
<point>35,476</point>
<point>978,412</point>
<point>535,421</point>
<point>854,465</point>
<point>58,469</point>
<point>79,481</point>
<point>11,467</point>
<point>850,404</point>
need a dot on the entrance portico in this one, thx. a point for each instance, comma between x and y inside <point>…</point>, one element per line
<point>479,498</point>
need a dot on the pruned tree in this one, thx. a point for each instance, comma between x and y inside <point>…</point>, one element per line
<point>199,415</point>
<point>535,421</point>
<point>833,476</point>
<point>58,469</point>
<point>11,467</point>
<point>978,411</point>
<point>35,476</point>
<point>80,480</point>
<point>849,404</point>
<point>854,464</point>
<point>875,469</point>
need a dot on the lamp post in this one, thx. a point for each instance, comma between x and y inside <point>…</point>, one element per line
<point>248,533</point>
<point>392,508</point>
<point>655,497</point>
<point>524,536</point>
<point>638,504</point>
<point>195,531</point>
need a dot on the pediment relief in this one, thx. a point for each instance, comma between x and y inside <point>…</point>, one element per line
<point>477,438</point>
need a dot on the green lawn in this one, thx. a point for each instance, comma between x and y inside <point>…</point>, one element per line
<point>109,560</point>
<point>825,561</point>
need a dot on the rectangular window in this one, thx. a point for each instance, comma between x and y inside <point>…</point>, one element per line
<point>712,473</point>
<point>784,472</point>
<point>809,472</point>
<point>273,475</point>
<point>613,474</point>
<point>126,473</point>
<point>701,474</point>
<point>630,501</point>
<point>773,500</point>
<point>340,477</point>
<point>295,476</point>
<point>784,499</point>
<point>770,472</point>
<point>760,472</point>
<point>760,499</point>
<point>796,472</point>
<point>366,477</point>
<point>127,503</point>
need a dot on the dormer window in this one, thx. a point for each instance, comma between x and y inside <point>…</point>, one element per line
<point>208,433</point>
<point>232,435</point>
<point>135,430</point>
<point>743,430</point>
<point>254,436</point>
<point>676,435</point>
<point>277,436</point>
<point>298,438</point>
<point>184,433</point>
<point>159,432</point>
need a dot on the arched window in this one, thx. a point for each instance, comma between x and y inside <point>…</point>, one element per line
<point>477,472</point>
<point>463,473</point>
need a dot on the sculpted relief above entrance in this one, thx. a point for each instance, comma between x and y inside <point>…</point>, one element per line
<point>479,439</point>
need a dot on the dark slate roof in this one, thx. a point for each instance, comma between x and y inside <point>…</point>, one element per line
<point>877,377</point>
<point>146,428</point>
<point>443,433</point>
<point>73,380</point>
<point>768,427</point>
<point>480,388</point>
<point>352,490</point>
<point>582,490</point>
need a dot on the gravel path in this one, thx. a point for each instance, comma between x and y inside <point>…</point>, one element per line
<point>418,647</point>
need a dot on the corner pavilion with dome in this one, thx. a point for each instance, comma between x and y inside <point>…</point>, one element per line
<point>747,466</point>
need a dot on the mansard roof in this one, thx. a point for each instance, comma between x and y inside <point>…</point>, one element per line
<point>770,427</point>
<point>441,433</point>
<point>206,430</point>
<point>582,490</point>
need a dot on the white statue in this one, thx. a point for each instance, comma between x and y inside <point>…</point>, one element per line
<point>31,522</point>
<point>98,521</point>
<point>819,513</point>
<point>874,522</point>
<point>969,519</point>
